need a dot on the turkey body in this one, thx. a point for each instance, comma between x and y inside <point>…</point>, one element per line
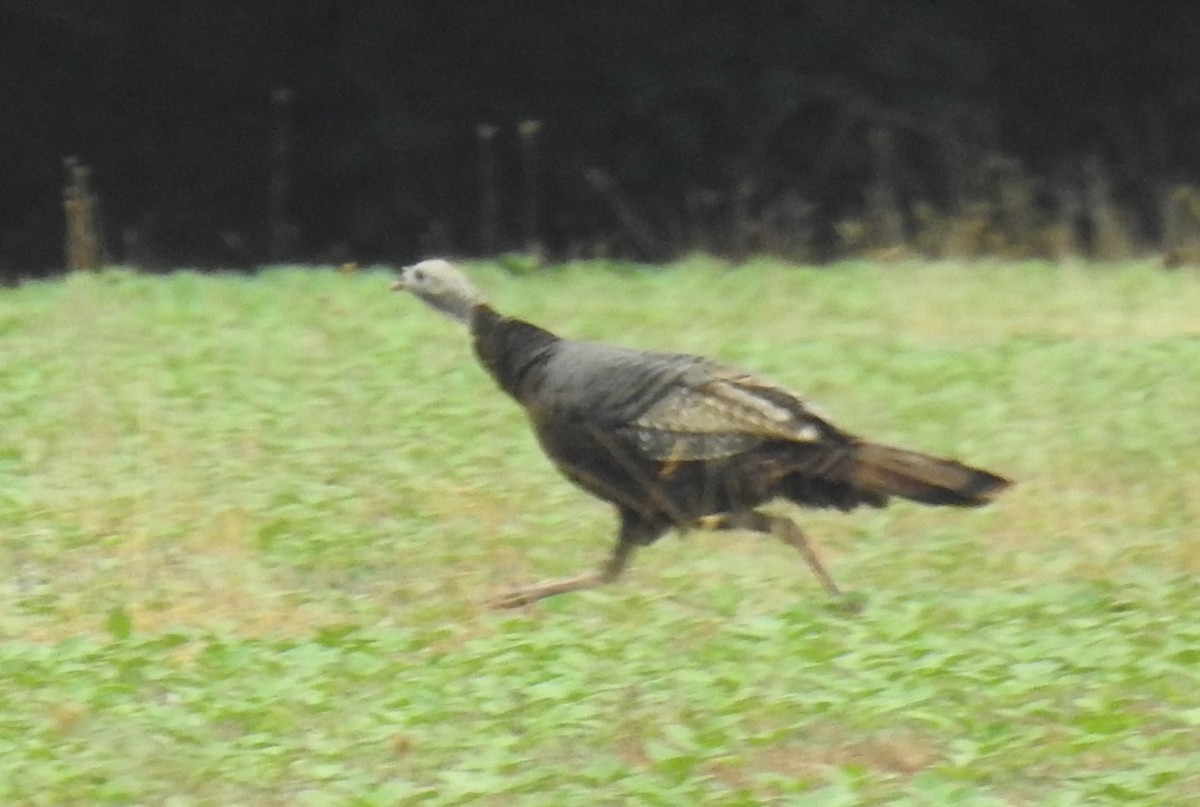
<point>676,441</point>
<point>632,428</point>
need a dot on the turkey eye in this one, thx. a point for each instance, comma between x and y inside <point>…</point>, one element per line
<point>419,275</point>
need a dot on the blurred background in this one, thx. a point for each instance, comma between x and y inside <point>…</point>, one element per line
<point>232,134</point>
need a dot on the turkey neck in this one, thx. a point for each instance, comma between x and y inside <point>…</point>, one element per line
<point>514,352</point>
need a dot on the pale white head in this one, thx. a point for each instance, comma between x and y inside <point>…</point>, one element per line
<point>441,285</point>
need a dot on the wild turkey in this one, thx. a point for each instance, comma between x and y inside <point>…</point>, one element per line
<point>672,440</point>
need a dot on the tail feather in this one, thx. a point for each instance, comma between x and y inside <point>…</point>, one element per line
<point>922,478</point>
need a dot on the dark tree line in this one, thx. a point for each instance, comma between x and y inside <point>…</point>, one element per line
<point>231,133</point>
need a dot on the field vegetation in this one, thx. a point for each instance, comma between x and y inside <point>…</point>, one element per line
<point>247,524</point>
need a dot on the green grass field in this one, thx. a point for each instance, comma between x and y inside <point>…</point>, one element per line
<point>248,524</point>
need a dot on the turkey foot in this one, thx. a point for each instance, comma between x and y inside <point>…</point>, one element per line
<point>527,595</point>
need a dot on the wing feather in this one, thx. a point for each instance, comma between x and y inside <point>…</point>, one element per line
<point>713,411</point>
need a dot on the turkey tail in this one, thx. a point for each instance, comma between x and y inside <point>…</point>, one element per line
<point>922,478</point>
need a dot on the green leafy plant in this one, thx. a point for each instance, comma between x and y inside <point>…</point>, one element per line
<point>248,524</point>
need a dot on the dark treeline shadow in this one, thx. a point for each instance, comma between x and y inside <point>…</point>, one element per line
<point>233,134</point>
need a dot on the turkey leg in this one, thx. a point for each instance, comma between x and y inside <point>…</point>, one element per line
<point>532,593</point>
<point>782,528</point>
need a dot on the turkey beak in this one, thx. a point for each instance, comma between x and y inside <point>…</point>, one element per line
<point>398,285</point>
